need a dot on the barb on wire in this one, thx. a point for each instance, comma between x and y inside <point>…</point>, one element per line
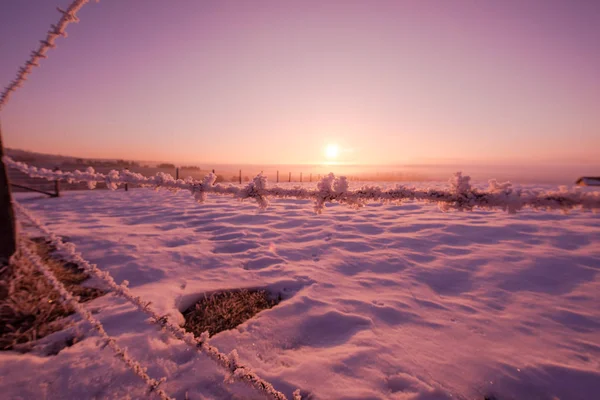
<point>73,301</point>
<point>229,363</point>
<point>460,196</point>
<point>58,29</point>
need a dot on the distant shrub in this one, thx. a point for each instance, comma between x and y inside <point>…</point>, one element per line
<point>166,166</point>
<point>220,178</point>
<point>190,167</point>
<point>125,163</point>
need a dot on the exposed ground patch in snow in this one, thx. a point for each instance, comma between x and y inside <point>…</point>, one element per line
<point>396,301</point>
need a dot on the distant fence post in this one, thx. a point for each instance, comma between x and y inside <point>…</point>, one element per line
<point>310,178</point>
<point>8,227</point>
<point>56,185</point>
<point>300,176</point>
<point>126,185</point>
<point>177,173</point>
<point>240,176</point>
<point>277,176</point>
<point>290,177</point>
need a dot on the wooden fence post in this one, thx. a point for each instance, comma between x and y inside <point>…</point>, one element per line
<point>8,227</point>
<point>277,176</point>
<point>310,178</point>
<point>290,177</point>
<point>177,173</point>
<point>126,185</point>
<point>56,185</point>
<point>300,176</point>
<point>240,176</point>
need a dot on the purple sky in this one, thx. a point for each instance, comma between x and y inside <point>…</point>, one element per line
<point>389,82</point>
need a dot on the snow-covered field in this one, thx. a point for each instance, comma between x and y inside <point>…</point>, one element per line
<point>387,302</point>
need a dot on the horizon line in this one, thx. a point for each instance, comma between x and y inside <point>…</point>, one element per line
<point>411,164</point>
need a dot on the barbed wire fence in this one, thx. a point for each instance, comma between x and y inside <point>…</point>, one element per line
<point>68,299</point>
<point>8,246</point>
<point>460,195</point>
<point>59,29</point>
<point>230,363</point>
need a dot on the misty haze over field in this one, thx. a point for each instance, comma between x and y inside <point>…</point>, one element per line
<point>564,174</point>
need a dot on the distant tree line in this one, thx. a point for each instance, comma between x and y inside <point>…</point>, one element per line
<point>183,167</point>
<point>101,163</point>
<point>190,167</point>
<point>24,158</point>
<point>166,166</point>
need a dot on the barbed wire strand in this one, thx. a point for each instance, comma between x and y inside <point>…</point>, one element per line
<point>460,195</point>
<point>229,362</point>
<point>73,301</point>
<point>59,29</point>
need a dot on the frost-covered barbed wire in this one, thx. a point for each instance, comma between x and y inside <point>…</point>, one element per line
<point>69,15</point>
<point>73,301</point>
<point>460,196</point>
<point>229,362</point>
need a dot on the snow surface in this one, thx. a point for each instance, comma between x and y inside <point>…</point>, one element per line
<point>386,302</point>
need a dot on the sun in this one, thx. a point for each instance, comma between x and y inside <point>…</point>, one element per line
<point>332,151</point>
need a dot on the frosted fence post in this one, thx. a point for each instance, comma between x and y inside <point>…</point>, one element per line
<point>56,185</point>
<point>8,228</point>
<point>126,185</point>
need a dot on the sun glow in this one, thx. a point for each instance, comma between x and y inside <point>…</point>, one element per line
<point>332,151</point>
